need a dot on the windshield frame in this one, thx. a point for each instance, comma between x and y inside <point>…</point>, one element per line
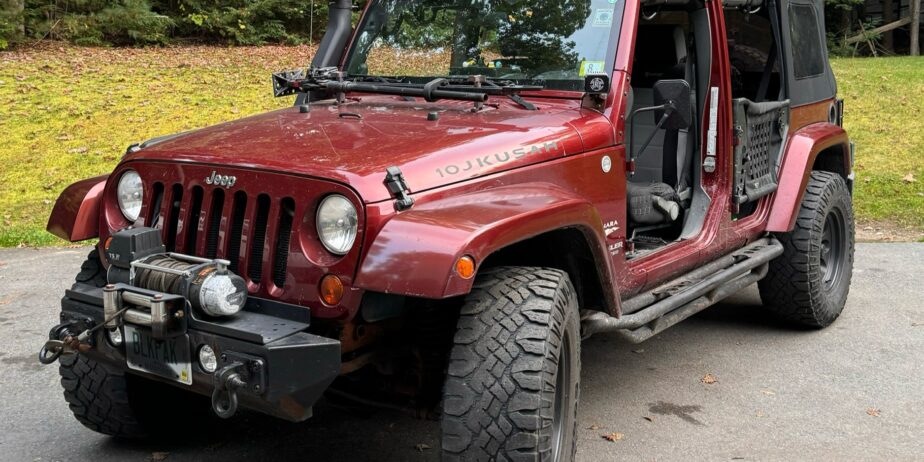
<point>615,32</point>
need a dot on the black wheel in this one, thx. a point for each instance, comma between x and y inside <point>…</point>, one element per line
<point>809,282</point>
<point>109,401</point>
<point>512,388</point>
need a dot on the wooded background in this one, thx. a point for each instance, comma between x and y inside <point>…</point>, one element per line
<point>855,27</point>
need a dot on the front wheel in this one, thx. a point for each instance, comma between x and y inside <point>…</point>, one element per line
<point>512,388</point>
<point>808,284</point>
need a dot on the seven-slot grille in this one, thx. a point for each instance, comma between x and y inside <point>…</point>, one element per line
<point>216,223</point>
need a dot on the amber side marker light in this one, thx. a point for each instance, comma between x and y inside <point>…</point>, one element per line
<point>331,289</point>
<point>465,267</point>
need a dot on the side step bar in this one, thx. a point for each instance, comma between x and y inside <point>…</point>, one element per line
<point>654,311</point>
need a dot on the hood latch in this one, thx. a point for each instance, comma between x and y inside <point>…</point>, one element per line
<point>397,187</point>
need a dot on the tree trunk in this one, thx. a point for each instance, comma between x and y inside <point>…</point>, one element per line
<point>888,15</point>
<point>14,8</point>
<point>915,27</point>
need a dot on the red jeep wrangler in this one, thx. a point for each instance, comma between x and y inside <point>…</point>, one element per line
<point>441,238</point>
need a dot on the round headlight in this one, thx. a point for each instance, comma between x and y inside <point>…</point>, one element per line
<point>130,193</point>
<point>337,222</point>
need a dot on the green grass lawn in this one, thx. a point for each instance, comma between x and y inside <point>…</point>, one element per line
<point>69,113</point>
<point>884,99</point>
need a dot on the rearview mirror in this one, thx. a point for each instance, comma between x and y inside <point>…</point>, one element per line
<point>673,97</point>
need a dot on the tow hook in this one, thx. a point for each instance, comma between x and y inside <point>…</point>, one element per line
<point>227,381</point>
<point>241,372</point>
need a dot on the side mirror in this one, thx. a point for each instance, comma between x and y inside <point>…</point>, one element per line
<point>672,111</point>
<point>673,96</point>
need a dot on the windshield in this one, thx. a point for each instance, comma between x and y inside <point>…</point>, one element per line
<point>554,43</point>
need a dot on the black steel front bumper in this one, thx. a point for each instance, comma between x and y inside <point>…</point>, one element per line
<point>295,367</point>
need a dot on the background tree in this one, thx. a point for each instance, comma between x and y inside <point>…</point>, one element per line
<point>12,26</point>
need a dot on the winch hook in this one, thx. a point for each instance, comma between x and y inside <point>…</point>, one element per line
<point>62,341</point>
<point>227,381</point>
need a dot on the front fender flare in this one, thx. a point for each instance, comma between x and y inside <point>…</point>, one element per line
<point>75,216</point>
<point>800,156</point>
<point>415,252</point>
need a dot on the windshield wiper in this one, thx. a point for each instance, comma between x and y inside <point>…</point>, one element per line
<point>497,87</point>
<point>331,80</point>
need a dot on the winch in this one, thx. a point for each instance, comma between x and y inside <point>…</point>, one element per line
<point>138,259</point>
<point>150,287</point>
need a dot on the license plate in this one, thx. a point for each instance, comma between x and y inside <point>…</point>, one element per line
<point>168,358</point>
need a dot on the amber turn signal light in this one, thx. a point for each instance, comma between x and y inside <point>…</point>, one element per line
<point>465,267</point>
<point>331,289</point>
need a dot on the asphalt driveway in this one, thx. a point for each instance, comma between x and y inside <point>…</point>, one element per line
<point>854,391</point>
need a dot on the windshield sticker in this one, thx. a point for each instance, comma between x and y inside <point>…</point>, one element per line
<point>603,17</point>
<point>591,67</point>
<point>499,158</point>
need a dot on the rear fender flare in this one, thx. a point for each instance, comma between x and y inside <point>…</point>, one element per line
<point>803,149</point>
<point>75,216</point>
<point>415,252</point>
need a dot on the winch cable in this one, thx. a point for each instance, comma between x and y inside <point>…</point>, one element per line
<point>161,281</point>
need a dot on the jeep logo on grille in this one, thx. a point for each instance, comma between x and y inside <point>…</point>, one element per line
<point>221,180</point>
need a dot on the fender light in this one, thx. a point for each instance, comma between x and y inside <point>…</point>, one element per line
<point>465,267</point>
<point>331,289</point>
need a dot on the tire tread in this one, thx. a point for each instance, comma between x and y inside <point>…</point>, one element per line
<point>794,287</point>
<point>499,369</point>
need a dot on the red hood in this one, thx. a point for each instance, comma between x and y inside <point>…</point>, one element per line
<point>334,143</point>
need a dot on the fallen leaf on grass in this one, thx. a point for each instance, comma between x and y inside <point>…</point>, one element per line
<point>159,455</point>
<point>613,437</point>
<point>909,178</point>
<point>873,411</point>
<point>422,447</point>
<point>709,379</point>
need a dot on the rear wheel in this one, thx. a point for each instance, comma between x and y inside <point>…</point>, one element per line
<point>107,400</point>
<point>809,282</point>
<point>512,388</point>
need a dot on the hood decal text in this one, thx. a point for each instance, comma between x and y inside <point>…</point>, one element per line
<point>500,158</point>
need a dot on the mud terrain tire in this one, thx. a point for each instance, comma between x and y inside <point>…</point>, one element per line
<point>109,401</point>
<point>512,386</point>
<point>808,284</point>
